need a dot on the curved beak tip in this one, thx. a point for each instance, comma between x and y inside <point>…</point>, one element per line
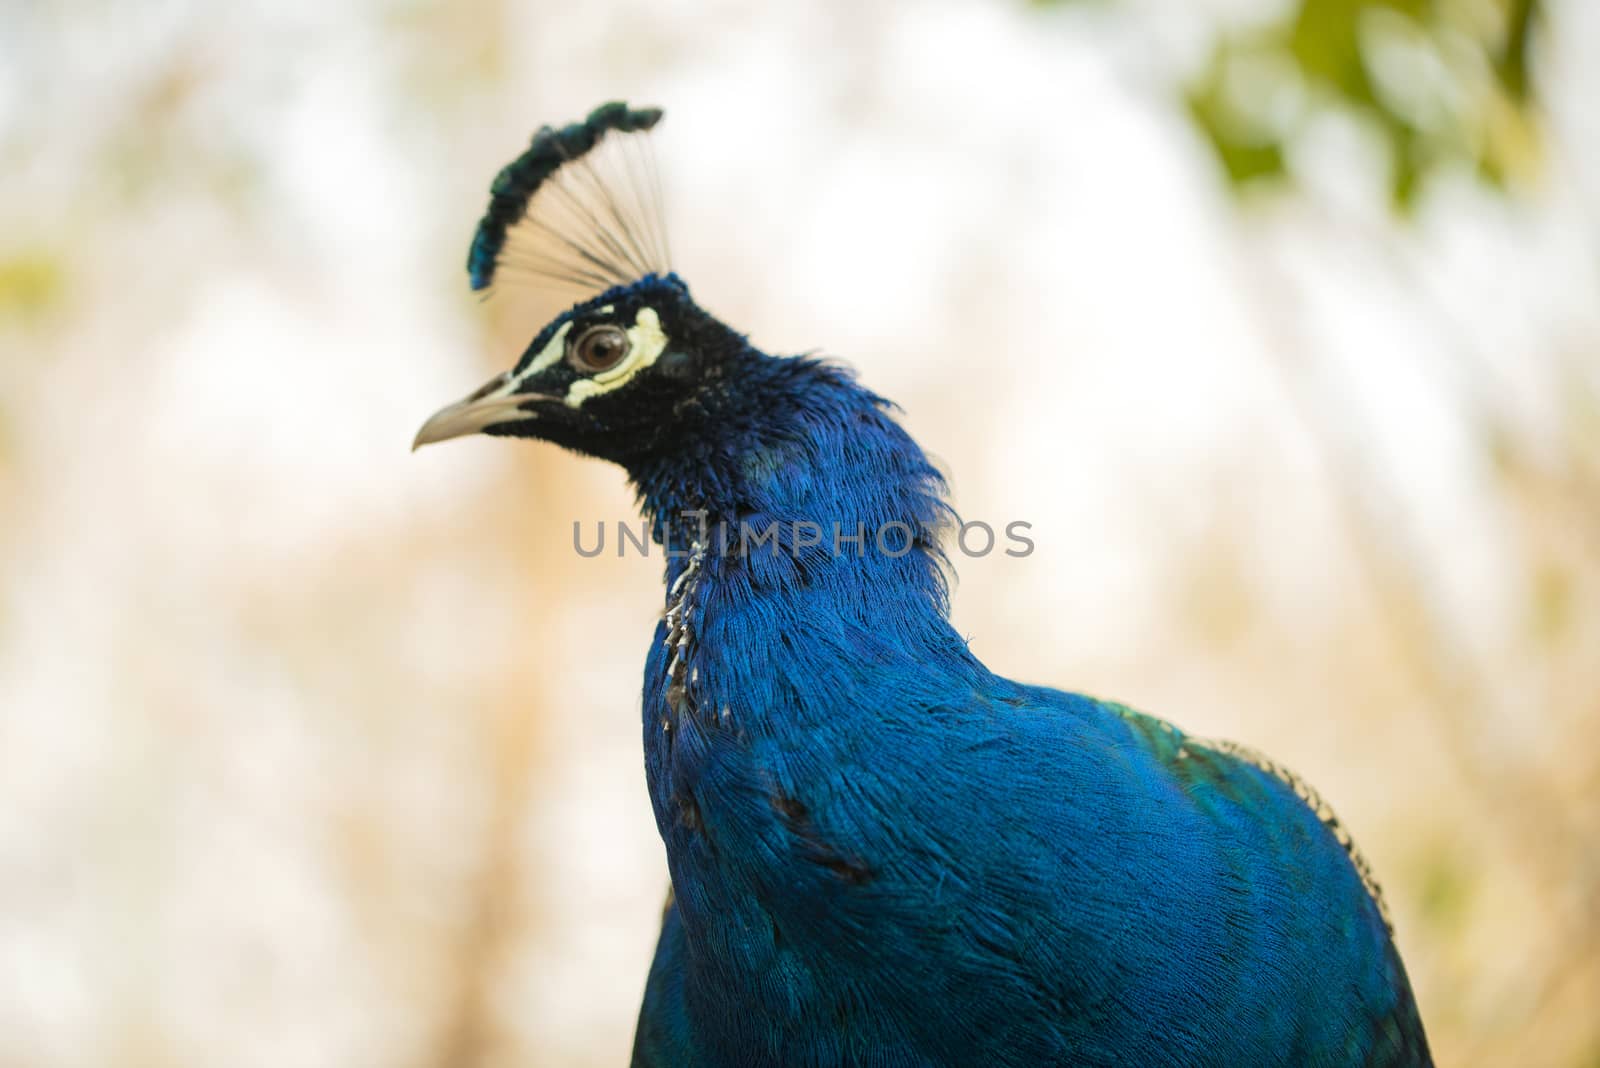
<point>442,425</point>
<point>484,407</point>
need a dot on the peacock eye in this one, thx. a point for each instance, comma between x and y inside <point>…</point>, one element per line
<point>599,348</point>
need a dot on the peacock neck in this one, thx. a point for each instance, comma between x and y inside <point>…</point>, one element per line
<point>806,615</point>
<point>802,486</point>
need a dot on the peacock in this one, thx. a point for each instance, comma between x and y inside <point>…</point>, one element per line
<point>881,852</point>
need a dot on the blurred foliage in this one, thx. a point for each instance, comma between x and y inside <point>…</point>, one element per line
<point>1553,601</point>
<point>1445,882</point>
<point>1446,83</point>
<point>31,283</point>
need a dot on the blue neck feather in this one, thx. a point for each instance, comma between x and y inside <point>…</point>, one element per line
<point>801,453</point>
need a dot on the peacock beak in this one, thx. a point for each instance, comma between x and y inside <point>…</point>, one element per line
<point>496,401</point>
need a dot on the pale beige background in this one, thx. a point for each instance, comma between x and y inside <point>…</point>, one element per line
<point>317,753</point>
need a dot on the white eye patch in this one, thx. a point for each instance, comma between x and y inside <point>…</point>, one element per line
<point>548,356</point>
<point>647,341</point>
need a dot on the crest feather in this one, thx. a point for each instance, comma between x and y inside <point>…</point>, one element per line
<point>582,206</point>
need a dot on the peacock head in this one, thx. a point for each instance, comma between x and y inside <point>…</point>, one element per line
<point>620,375</point>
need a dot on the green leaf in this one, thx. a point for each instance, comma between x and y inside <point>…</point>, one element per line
<point>1246,139</point>
<point>1483,125</point>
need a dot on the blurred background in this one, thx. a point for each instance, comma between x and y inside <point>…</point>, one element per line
<point>1278,319</point>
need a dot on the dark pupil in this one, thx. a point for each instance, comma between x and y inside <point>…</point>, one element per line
<point>603,348</point>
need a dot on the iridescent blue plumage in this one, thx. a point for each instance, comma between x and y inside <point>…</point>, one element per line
<point>881,852</point>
